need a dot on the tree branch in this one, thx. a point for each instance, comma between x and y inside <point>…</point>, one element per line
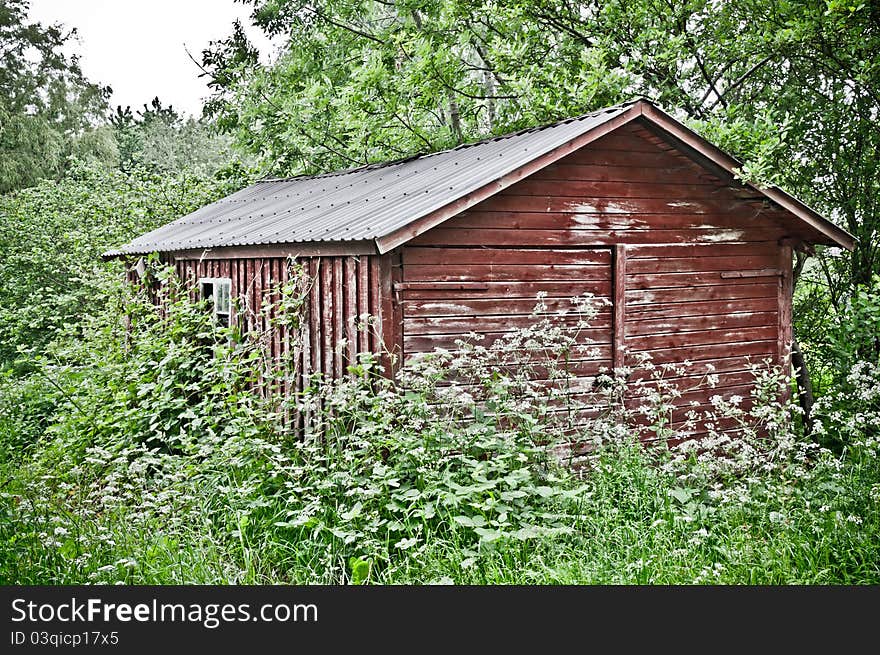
<point>343,26</point>
<point>413,130</point>
<point>742,78</point>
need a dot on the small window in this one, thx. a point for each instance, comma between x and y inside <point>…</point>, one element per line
<point>218,292</point>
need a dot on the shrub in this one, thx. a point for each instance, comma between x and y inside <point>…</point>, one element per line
<point>850,410</point>
<point>51,236</point>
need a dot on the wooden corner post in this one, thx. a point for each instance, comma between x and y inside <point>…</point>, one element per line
<point>618,300</point>
<point>786,289</point>
<point>390,312</point>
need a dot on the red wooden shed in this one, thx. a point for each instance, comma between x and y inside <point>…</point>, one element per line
<point>626,203</point>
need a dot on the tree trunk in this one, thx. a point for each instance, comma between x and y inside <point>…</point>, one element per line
<point>455,119</point>
<point>805,386</point>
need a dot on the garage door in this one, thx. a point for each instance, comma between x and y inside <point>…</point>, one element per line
<point>447,293</point>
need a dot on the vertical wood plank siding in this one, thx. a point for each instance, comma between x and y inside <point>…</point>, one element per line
<point>618,301</point>
<point>329,341</point>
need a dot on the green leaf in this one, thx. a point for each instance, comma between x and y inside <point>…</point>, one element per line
<point>470,521</point>
<point>406,543</point>
<point>545,492</point>
<point>352,513</point>
<point>360,570</point>
<point>488,535</point>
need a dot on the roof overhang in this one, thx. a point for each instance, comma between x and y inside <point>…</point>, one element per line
<point>685,139</point>
<point>294,250</point>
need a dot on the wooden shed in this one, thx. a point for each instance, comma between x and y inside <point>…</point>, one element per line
<point>626,203</point>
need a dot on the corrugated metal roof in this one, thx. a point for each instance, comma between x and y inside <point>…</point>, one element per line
<point>359,204</point>
<point>373,203</point>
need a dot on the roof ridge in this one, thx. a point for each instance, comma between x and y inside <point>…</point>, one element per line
<point>461,146</point>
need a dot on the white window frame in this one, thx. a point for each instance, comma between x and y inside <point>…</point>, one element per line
<point>222,312</point>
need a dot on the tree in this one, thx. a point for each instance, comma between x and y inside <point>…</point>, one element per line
<point>361,80</point>
<point>791,87</point>
<point>158,138</point>
<point>52,234</point>
<point>46,104</point>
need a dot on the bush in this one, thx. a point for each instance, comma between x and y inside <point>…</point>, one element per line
<point>135,422</point>
<point>850,409</point>
<point>856,335</point>
<point>51,236</point>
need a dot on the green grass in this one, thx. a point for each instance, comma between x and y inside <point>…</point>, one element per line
<point>628,529</point>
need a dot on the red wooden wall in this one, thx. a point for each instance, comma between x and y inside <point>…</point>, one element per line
<point>341,290</point>
<point>449,292</point>
<point>704,274</point>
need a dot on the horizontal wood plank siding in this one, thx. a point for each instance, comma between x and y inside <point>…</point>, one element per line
<point>436,313</point>
<point>685,231</point>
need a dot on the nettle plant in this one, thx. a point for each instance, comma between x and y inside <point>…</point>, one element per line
<point>163,421</point>
<point>455,448</point>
